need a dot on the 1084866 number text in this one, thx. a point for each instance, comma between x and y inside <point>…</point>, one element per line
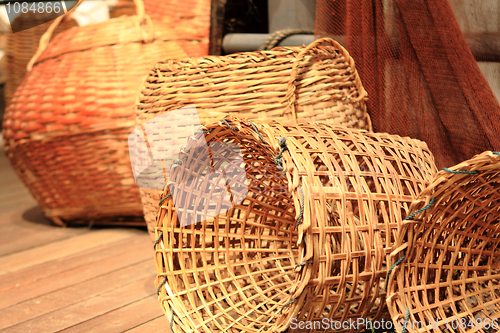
<point>39,7</point>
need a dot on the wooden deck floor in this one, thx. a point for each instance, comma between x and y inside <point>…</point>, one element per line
<point>56,279</point>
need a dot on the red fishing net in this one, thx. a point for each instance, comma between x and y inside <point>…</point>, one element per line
<point>421,77</point>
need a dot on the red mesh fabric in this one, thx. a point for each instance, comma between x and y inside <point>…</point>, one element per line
<point>422,79</point>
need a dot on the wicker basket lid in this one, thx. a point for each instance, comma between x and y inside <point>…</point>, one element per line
<point>446,257</point>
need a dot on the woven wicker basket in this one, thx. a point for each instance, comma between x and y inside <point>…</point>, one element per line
<point>67,126</point>
<point>449,277</point>
<point>306,217</point>
<point>189,18</point>
<point>313,83</point>
<point>22,45</point>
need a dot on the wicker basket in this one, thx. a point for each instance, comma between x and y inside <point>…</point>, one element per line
<point>448,280</point>
<point>67,125</point>
<point>313,83</point>
<point>189,18</point>
<point>22,45</point>
<point>307,215</point>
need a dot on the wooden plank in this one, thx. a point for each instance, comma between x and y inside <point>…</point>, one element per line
<point>89,307</point>
<point>16,237</point>
<point>122,319</point>
<point>135,253</point>
<point>157,325</point>
<point>13,209</point>
<point>55,250</point>
<point>74,304</point>
<point>14,190</point>
<point>34,273</point>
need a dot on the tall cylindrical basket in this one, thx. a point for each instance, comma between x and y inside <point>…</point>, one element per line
<point>263,226</point>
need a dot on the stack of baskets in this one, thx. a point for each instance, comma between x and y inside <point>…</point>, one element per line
<point>307,240</point>
<point>294,84</point>
<point>67,125</point>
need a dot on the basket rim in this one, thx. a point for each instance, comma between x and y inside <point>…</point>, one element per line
<point>212,61</point>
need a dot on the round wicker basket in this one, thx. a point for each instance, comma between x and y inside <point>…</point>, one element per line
<point>22,45</point>
<point>275,223</point>
<point>295,84</point>
<point>67,125</point>
<point>447,279</point>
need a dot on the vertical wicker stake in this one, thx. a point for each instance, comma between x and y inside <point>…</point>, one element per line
<point>308,242</point>
<point>447,278</point>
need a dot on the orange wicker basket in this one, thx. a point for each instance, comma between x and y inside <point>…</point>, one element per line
<point>167,9</point>
<point>67,125</point>
<point>279,224</point>
<point>22,45</point>
<point>189,18</point>
<point>313,83</point>
<point>448,273</point>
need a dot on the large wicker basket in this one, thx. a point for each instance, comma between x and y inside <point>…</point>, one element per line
<point>448,273</point>
<point>22,45</point>
<point>67,125</point>
<point>313,83</point>
<point>277,224</point>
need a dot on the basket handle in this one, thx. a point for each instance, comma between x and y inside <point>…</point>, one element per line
<point>291,97</point>
<point>45,39</point>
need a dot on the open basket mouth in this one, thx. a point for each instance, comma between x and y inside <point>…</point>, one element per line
<point>261,225</point>
<point>448,279</point>
<point>227,246</point>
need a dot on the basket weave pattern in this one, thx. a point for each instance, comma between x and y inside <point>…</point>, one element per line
<point>314,83</point>
<point>76,108</point>
<point>449,278</point>
<point>249,269</point>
